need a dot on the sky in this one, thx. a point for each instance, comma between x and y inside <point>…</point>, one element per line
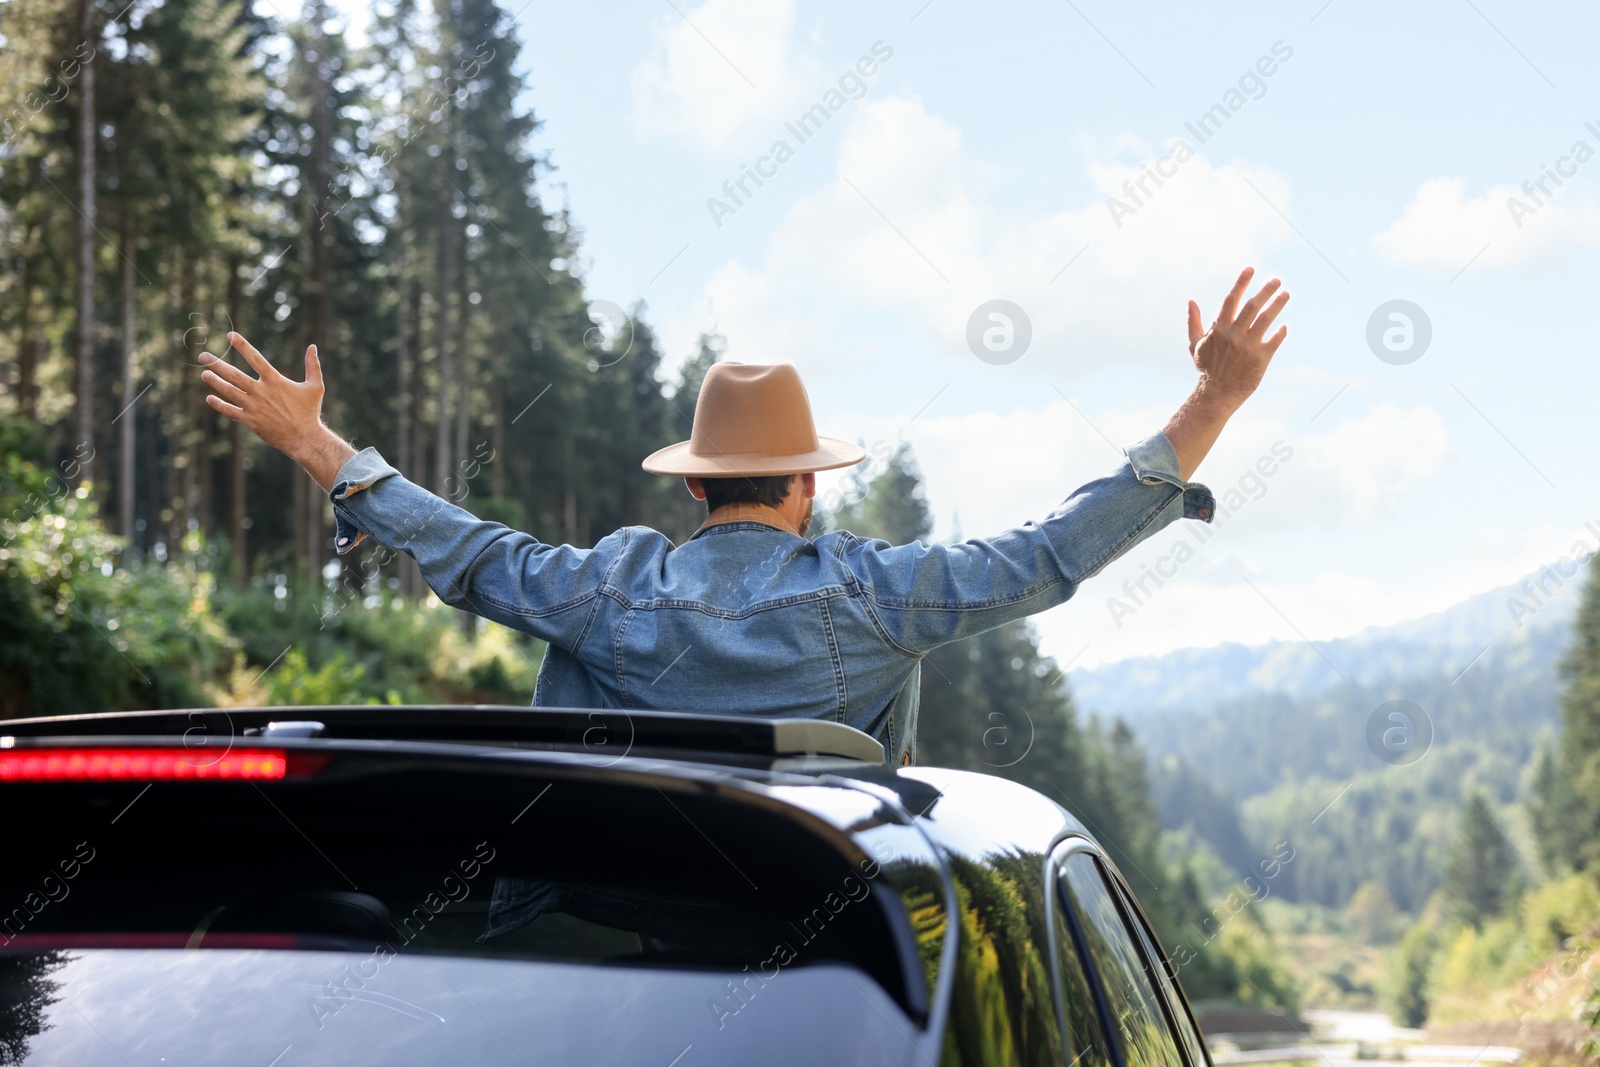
<point>1364,153</point>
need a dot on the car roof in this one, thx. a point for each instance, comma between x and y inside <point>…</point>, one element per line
<point>977,815</point>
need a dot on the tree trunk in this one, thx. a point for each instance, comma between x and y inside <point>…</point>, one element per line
<point>188,447</point>
<point>321,259</point>
<point>236,527</point>
<point>154,489</point>
<point>175,424</point>
<point>417,457</point>
<point>463,371</point>
<point>205,422</point>
<point>166,439</point>
<point>127,422</point>
<point>413,449</point>
<point>84,335</point>
<point>497,471</point>
<point>441,458</point>
<point>402,355</point>
<point>27,348</point>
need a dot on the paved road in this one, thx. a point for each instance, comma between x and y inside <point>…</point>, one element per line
<point>1340,1034</point>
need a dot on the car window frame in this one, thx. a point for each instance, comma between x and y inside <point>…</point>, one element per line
<point>1135,924</point>
<point>1133,914</point>
<point>1055,907</point>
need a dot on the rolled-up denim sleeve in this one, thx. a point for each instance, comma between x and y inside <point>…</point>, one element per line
<point>485,567</point>
<point>924,596</point>
<point>360,471</point>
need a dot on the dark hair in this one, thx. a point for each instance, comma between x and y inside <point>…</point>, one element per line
<point>769,490</point>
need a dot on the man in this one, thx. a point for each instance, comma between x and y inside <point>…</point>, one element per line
<point>747,616</point>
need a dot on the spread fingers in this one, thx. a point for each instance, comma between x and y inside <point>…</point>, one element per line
<point>254,358</point>
<point>221,368</point>
<point>225,389</point>
<point>1264,320</point>
<point>1247,314</point>
<point>219,404</point>
<point>1231,301</point>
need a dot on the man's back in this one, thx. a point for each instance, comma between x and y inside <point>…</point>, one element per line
<point>672,627</point>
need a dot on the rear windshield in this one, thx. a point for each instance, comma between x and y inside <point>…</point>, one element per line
<point>114,1007</point>
<point>456,915</point>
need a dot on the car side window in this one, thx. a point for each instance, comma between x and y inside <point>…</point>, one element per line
<point>1082,1019</point>
<point>1166,972</point>
<point>1132,1002</point>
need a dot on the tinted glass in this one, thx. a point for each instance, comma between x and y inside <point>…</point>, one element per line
<point>1087,1036</point>
<point>112,1008</point>
<point>1130,988</point>
<point>1004,1007</point>
<point>1190,1035</point>
<point>555,907</point>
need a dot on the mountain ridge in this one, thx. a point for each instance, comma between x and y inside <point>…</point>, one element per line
<point>1535,611</point>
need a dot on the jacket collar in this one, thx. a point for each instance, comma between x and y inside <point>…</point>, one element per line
<point>744,511</point>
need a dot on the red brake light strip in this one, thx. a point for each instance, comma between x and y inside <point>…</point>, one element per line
<point>138,764</point>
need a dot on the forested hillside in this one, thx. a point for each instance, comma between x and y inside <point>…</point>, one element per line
<point>1467,863</point>
<point>1532,616</point>
<point>1265,761</point>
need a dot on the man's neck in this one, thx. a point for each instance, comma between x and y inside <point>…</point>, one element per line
<point>745,511</point>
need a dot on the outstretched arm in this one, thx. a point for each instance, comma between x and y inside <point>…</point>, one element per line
<point>926,595</point>
<point>284,413</point>
<point>1231,358</point>
<point>483,567</point>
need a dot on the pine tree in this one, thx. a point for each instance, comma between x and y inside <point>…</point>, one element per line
<point>44,61</point>
<point>27,991</point>
<point>1566,804</point>
<point>180,103</point>
<point>1480,866</point>
<point>892,507</point>
<point>709,349</point>
<point>1410,965</point>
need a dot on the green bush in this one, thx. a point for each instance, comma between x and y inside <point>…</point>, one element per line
<point>419,652</point>
<point>78,631</point>
<point>85,628</point>
<point>294,683</point>
<point>1560,910</point>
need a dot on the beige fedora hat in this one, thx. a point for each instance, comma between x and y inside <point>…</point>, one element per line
<point>752,419</point>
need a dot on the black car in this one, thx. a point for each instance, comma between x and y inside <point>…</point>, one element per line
<point>540,886</point>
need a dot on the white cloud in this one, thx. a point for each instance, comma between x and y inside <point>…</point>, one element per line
<point>997,469</point>
<point>1193,615</point>
<point>1363,468</point>
<point>719,69</point>
<point>912,225</point>
<point>1443,228</point>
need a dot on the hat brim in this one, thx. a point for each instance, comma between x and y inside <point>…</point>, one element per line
<point>676,460</point>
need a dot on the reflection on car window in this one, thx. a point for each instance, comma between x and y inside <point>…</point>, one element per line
<point>1181,1018</point>
<point>1089,1047</point>
<point>1131,996</point>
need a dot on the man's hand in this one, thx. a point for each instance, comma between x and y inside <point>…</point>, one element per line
<point>1231,357</point>
<point>284,413</point>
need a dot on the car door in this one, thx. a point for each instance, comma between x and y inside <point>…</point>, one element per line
<point>1140,1015</point>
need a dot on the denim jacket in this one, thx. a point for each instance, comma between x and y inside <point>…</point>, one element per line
<point>748,618</point>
